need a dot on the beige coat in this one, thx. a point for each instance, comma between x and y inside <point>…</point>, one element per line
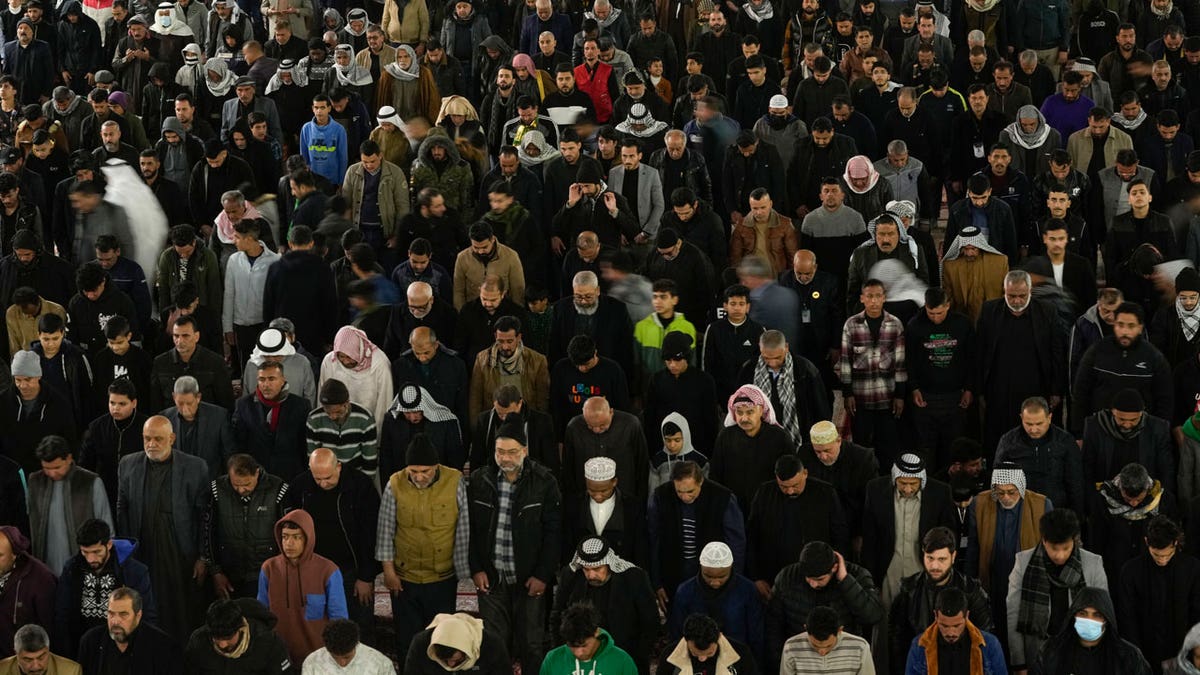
<point>299,22</point>
<point>386,55</point>
<point>409,29</point>
<point>469,273</point>
<point>970,283</point>
<point>58,665</point>
<point>393,194</point>
<point>535,382</point>
<point>1079,146</point>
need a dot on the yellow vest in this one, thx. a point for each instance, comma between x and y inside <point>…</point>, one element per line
<point>425,526</point>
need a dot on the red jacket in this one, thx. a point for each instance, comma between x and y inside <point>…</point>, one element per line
<point>595,85</point>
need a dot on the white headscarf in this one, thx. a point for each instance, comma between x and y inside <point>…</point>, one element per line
<point>222,86</point>
<point>414,66</point>
<point>178,26</point>
<point>299,76</point>
<point>352,75</point>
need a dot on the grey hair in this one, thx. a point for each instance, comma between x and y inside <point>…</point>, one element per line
<point>233,197</point>
<point>545,33</point>
<point>30,638</point>
<point>186,384</point>
<point>772,339</point>
<point>897,147</point>
<point>675,133</point>
<point>601,3</point>
<point>585,279</point>
<point>755,266</point>
<point>910,92</point>
<point>1134,479</point>
<point>127,593</point>
<point>110,124</point>
<point>1036,403</point>
<point>413,335</point>
<point>976,36</point>
<point>1028,56</point>
<point>1018,277</point>
<point>424,290</point>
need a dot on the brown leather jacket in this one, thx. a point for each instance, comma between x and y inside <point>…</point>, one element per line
<point>782,242</point>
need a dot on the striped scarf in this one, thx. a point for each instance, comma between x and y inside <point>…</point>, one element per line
<point>787,416</point>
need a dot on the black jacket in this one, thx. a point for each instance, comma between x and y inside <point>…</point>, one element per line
<point>76,372</point>
<point>1167,334</point>
<point>821,298</point>
<point>401,323</point>
<point>283,451</point>
<point>693,276</point>
<point>809,166</point>
<point>627,609</point>
<point>206,366</point>
<point>726,348</point>
<point>88,317</point>
<point>1079,278</point>
<point>105,442</point>
<point>593,215</point>
<point>358,511</point>
<point>1119,656</point>
<point>814,515</point>
<point>705,230</point>
<point>879,529</point>
<point>539,430</point>
<point>150,651</point>
<point>1002,228</point>
<point>694,175</point>
<point>127,571</point>
<point>239,532</point>
<point>1151,598</point>
<point>611,330</point>
<point>445,377</point>
<point>1154,450</point>
<point>1050,359</point>
<point>912,610</point>
<point>208,184</point>
<point>855,599</point>
<point>764,169</point>
<point>625,530</point>
<point>52,277</point>
<point>1123,237</point>
<point>52,414</point>
<point>536,516</point>
<point>300,287</point>
<point>1053,465</point>
<point>1106,368</point>
<point>266,655</point>
<point>474,333</point>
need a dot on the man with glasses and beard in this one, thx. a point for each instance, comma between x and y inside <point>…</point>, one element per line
<point>589,312</point>
<point>620,592</point>
<point>102,565</point>
<point>127,643</point>
<point>237,635</point>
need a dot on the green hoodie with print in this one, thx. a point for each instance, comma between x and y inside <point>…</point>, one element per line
<point>609,659</point>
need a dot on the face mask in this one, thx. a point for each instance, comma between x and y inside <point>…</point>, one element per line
<point>164,21</point>
<point>1088,629</point>
<point>777,121</point>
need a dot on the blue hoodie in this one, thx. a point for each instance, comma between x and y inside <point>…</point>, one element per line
<point>325,150</point>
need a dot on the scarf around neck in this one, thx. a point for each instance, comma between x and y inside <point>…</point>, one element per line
<point>1037,137</point>
<point>766,11</point>
<point>225,225</point>
<point>272,409</point>
<point>1117,506</point>
<point>1188,321</point>
<point>222,86</point>
<point>1109,424</point>
<point>512,366</point>
<point>1037,586</point>
<point>785,384</point>
<point>243,642</point>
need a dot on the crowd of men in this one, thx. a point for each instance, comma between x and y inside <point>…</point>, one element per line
<point>600,337</point>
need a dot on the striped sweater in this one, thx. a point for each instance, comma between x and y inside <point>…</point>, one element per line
<point>353,441</point>
<point>850,656</point>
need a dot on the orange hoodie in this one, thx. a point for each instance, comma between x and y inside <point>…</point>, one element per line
<point>305,594</point>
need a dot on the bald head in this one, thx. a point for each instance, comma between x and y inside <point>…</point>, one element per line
<point>421,335</point>
<point>597,414</point>
<point>804,265</point>
<point>325,468</point>
<point>419,292</point>
<point>157,438</point>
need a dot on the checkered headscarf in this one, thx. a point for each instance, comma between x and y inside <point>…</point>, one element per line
<point>1008,473</point>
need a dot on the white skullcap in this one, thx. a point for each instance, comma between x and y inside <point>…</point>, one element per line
<point>600,468</point>
<point>716,554</point>
<point>823,432</point>
<point>778,101</point>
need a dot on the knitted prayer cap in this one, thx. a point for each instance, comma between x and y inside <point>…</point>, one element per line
<point>716,554</point>
<point>823,432</point>
<point>600,469</point>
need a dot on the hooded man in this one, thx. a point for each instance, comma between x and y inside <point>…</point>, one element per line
<point>80,53</point>
<point>28,592</point>
<point>864,191</point>
<point>1030,141</point>
<point>458,643</point>
<point>240,635</point>
<point>620,593</point>
<point>972,272</point>
<point>1089,641</point>
<point>887,239</point>
<point>305,606</point>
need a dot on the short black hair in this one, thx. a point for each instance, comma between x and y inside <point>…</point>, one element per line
<point>362,255</point>
<point>788,466</point>
<point>93,531</point>
<point>735,291</point>
<point>1059,526</point>
<point>340,636</point>
<point>823,623</point>
<point>123,386</point>
<point>579,622</point>
<point>1162,532</point>
<point>301,235</point>
<point>507,323</point>
<point>581,349</point>
<point>701,630</point>
<point>935,296</point>
<point>1131,308</point>
<point>368,147</point>
<point>116,327</point>
<point>951,601</point>
<point>665,286</point>
<point>90,276</point>
<point>52,448</point>
<point>223,618</point>
<point>51,323</point>
<point>939,538</point>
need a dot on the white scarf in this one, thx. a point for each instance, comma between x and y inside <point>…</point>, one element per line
<point>1188,321</point>
<point>222,86</point>
<point>759,15</point>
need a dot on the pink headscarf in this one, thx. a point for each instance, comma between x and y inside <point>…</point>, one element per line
<point>859,166</point>
<point>526,62</point>
<point>353,343</point>
<point>225,226</point>
<point>757,397</point>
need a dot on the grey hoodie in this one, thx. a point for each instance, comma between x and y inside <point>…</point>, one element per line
<point>175,165</point>
<point>1183,663</point>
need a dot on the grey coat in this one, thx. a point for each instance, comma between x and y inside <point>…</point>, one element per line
<point>1023,649</point>
<point>1111,184</point>
<point>650,201</point>
<point>214,435</point>
<point>298,372</point>
<point>262,104</point>
<point>189,492</point>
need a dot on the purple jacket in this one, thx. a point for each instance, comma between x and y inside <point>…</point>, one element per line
<point>28,597</point>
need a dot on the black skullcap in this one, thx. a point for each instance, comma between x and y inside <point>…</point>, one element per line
<point>1128,401</point>
<point>421,452</point>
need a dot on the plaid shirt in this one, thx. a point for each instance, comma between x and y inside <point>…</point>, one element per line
<point>872,371</point>
<point>354,441</point>
<point>505,553</point>
<point>385,531</point>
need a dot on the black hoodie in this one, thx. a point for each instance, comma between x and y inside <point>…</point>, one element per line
<point>88,317</point>
<point>266,654</point>
<point>1063,654</point>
